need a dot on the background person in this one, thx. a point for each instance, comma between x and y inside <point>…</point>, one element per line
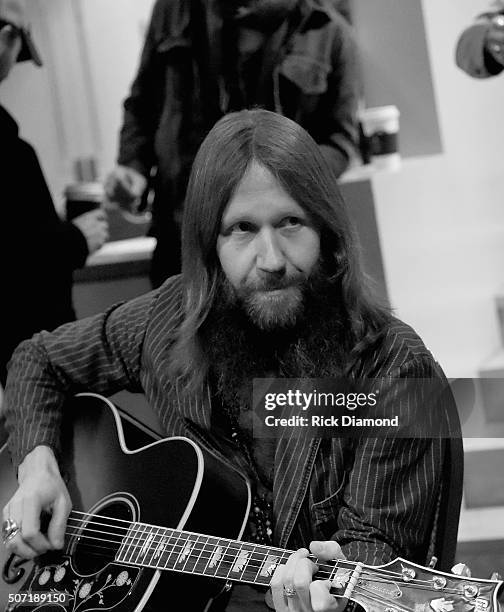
<point>480,48</point>
<point>38,251</point>
<point>203,59</point>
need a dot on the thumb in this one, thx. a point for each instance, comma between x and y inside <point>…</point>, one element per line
<point>327,550</point>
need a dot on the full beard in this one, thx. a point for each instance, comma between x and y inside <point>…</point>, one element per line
<point>296,332</point>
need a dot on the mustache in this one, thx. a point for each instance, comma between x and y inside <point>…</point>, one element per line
<point>273,283</point>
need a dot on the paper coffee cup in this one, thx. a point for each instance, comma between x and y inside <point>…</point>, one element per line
<point>380,126</point>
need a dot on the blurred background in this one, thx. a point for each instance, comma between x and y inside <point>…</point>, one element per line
<point>432,231</point>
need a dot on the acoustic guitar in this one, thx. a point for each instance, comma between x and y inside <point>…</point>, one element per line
<point>135,534</point>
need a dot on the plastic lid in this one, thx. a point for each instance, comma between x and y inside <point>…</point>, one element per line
<point>93,192</point>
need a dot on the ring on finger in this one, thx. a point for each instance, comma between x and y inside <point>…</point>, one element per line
<point>9,530</point>
<point>496,48</point>
<point>289,591</point>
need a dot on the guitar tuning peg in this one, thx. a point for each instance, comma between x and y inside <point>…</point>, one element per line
<point>461,569</point>
<point>495,576</point>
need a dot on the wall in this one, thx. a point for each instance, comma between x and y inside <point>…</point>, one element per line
<point>112,35</point>
<point>396,68</point>
<point>441,224</point>
<point>441,218</point>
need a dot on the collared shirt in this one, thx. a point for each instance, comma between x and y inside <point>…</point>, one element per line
<point>376,497</point>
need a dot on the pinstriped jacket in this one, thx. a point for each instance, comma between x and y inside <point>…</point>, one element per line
<point>376,497</point>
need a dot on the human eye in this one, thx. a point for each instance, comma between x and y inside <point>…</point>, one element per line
<point>291,222</point>
<point>240,228</point>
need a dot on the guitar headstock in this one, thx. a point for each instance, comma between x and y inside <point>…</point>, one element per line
<point>402,586</point>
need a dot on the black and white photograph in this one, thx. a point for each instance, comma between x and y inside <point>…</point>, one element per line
<point>252,329</point>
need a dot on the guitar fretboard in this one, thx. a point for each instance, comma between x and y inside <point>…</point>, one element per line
<point>175,550</point>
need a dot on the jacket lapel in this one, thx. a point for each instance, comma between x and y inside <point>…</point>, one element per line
<point>294,459</point>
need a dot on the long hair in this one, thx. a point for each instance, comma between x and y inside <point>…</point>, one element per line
<point>295,160</point>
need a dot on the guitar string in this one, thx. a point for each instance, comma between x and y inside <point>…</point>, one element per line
<point>358,589</point>
<point>175,532</point>
<point>135,547</point>
<point>370,576</point>
<point>140,537</point>
<point>387,574</point>
<point>132,524</point>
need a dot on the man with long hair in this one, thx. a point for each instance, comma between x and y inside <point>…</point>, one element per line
<point>271,287</point>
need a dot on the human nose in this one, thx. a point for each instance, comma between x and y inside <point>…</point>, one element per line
<point>270,256</point>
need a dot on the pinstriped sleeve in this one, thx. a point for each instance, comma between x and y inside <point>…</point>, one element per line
<point>392,489</point>
<point>101,354</point>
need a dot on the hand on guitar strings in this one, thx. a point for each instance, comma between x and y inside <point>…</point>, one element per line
<point>293,588</point>
<point>41,490</point>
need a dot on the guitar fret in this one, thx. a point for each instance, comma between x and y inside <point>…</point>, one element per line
<point>215,552</point>
<point>139,544</point>
<point>190,554</point>
<point>334,570</point>
<point>171,550</point>
<point>224,561</point>
<point>184,552</point>
<point>146,543</point>
<point>152,546</point>
<point>126,541</point>
<point>255,561</point>
<point>271,560</point>
<point>132,544</point>
<point>242,561</point>
<point>195,555</point>
<point>216,556</point>
<point>203,557</point>
<point>157,557</point>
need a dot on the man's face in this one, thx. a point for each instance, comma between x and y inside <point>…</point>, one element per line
<point>10,46</point>
<point>267,247</point>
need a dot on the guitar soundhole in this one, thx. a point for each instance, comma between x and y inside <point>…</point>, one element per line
<point>101,536</point>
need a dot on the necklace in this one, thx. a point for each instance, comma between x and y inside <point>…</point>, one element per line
<point>260,520</point>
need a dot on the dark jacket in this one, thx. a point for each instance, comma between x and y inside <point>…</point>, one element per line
<point>183,86</point>
<point>376,497</point>
<point>38,251</point>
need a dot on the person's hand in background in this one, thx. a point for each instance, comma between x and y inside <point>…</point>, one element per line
<point>494,40</point>
<point>94,226</point>
<point>125,186</point>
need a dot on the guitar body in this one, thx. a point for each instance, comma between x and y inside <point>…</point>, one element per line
<point>171,483</point>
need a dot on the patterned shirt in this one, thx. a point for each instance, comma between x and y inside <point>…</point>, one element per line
<point>376,497</point>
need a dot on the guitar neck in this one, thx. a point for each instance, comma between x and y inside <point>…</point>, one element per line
<point>171,549</point>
